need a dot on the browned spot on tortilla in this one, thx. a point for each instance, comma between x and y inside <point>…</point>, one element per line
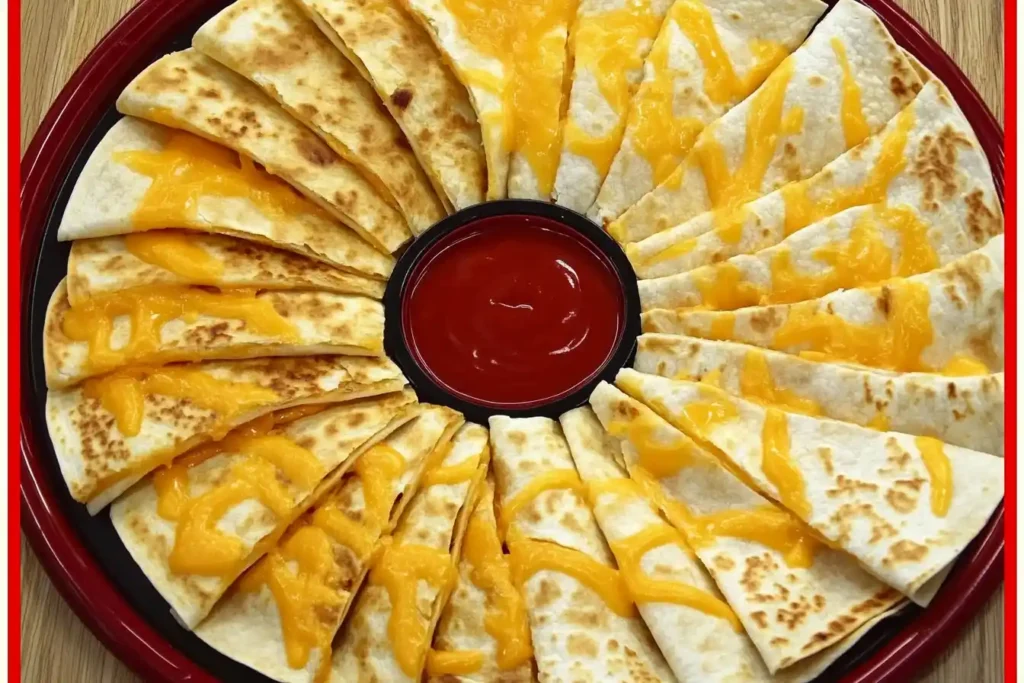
<point>904,551</point>
<point>401,98</point>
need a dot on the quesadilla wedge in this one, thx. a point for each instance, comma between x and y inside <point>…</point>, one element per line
<point>512,59</point>
<point>673,591</point>
<point>101,266</point>
<point>423,95</point>
<point>297,596</point>
<point>948,320</point>
<point>143,176</point>
<point>609,42</point>
<point>963,411</point>
<point>275,45</point>
<point>167,323</point>
<point>484,634</point>
<point>195,525</point>
<point>708,56</point>
<point>395,614</point>
<point>796,597</point>
<point>926,166</point>
<point>481,72</point>
<point>190,91</point>
<point>904,506</point>
<point>108,433</point>
<point>583,621</point>
<point>844,83</point>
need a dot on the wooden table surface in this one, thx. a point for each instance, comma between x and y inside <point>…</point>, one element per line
<point>56,37</point>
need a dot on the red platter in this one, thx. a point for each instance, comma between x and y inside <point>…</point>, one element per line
<point>891,654</point>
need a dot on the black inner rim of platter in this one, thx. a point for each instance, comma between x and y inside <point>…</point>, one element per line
<point>431,390</point>
<point>97,533</point>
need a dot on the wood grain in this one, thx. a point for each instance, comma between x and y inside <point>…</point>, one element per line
<point>56,37</point>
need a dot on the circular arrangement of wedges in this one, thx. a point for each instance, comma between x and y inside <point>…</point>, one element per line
<point>812,430</point>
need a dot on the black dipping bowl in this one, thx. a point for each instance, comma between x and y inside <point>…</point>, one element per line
<point>429,390</point>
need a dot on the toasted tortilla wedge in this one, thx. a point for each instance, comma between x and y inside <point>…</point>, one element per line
<point>843,84</point>
<point>188,324</point>
<point>395,614</point>
<point>609,42</point>
<point>795,597</point>
<point>512,59</point>
<point>192,92</point>
<point>183,406</point>
<point>950,319</point>
<point>275,45</point>
<point>903,506</point>
<point>423,95</point>
<point>926,163</point>
<point>487,623</point>
<point>581,630</point>
<point>313,573</point>
<point>193,527</point>
<point>963,411</point>
<point>713,648</point>
<point>484,76</point>
<point>143,176</point>
<point>708,56</point>
<point>104,265</point>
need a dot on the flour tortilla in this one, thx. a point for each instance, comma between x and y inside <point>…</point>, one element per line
<point>435,518</point>
<point>590,112</point>
<point>108,193</point>
<point>90,448</point>
<point>868,491</point>
<point>963,411</point>
<point>752,279</point>
<point>325,323</point>
<point>799,619</point>
<point>105,264</point>
<point>965,309</point>
<point>572,626</point>
<point>941,174</point>
<point>397,56</point>
<point>275,45</point>
<point>887,83</point>
<point>462,625</point>
<point>675,73</point>
<point>190,91</point>
<point>336,437</point>
<point>466,59</point>
<point>242,619</point>
<point>711,646</point>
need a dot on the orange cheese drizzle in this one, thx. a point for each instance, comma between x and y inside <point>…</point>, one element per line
<point>629,553</point>
<point>150,308</point>
<point>940,473</point>
<point>175,252</point>
<point>189,168</point>
<point>399,570</point>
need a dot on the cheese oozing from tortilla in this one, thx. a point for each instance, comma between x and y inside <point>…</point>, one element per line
<point>528,39</point>
<point>400,569</point>
<point>123,394</point>
<point>455,663</point>
<point>189,168</point>
<point>659,136</point>
<point>552,479</point>
<point>607,45</point>
<point>150,308</point>
<point>505,618</point>
<point>302,595</point>
<point>175,252</point>
<point>529,557</point>
<point>199,546</point>
<point>940,473</point>
<point>630,551</point>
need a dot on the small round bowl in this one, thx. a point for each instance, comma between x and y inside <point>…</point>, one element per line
<point>430,388</point>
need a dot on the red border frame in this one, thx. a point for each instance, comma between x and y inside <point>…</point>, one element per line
<point>97,601</point>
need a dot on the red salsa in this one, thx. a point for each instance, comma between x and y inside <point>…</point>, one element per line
<point>513,311</point>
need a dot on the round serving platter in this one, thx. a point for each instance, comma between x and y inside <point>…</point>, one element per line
<point>82,554</point>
